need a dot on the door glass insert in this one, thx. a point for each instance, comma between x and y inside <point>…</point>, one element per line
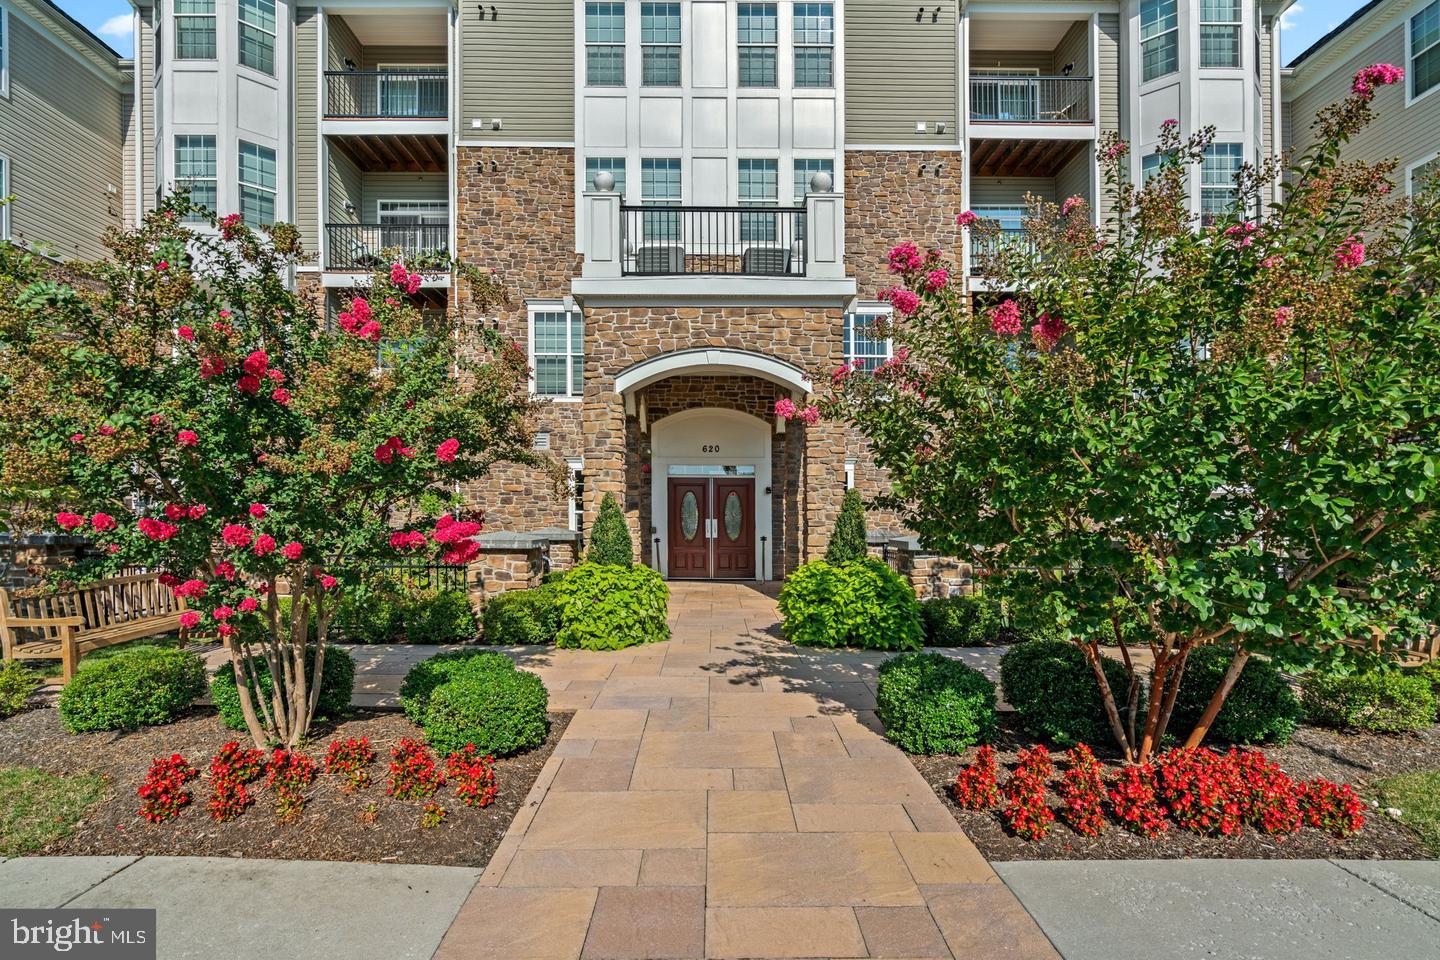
<point>689,515</point>
<point>734,515</point>
<point>710,470</point>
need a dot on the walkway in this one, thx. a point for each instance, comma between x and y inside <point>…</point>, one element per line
<point>727,795</point>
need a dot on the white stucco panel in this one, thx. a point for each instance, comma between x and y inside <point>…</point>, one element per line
<point>709,127</point>
<point>195,95</point>
<point>1157,106</point>
<point>710,179</point>
<point>709,51</point>
<point>604,121</point>
<point>757,122</point>
<point>257,108</point>
<point>660,122</point>
<point>815,123</point>
<point>1222,103</point>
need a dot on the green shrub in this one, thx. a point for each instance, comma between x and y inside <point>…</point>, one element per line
<point>976,620</point>
<point>862,603</point>
<point>500,711</point>
<point>393,608</point>
<point>849,541</point>
<point>610,536</point>
<point>144,686</point>
<point>930,703</point>
<point>337,681</point>
<point>521,617</point>
<point>16,685</point>
<point>1053,690</point>
<point>1430,672</point>
<point>1260,708</point>
<point>1379,701</point>
<point>607,607</point>
<point>423,678</point>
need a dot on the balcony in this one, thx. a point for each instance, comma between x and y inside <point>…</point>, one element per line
<point>661,241</point>
<point>363,247</point>
<point>1024,99</point>
<point>386,94</point>
<point>983,245</point>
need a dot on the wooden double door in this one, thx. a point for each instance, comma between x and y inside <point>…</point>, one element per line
<point>712,528</point>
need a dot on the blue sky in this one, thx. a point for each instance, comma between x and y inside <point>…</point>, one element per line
<point>1306,22</point>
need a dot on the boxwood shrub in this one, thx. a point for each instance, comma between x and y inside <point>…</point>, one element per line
<point>862,603</point>
<point>337,682</point>
<point>426,676</point>
<point>521,617</point>
<point>1053,690</point>
<point>142,686</point>
<point>1260,708</point>
<point>975,620</point>
<point>1430,673</point>
<point>1378,701</point>
<point>16,685</point>
<point>393,608</point>
<point>604,606</point>
<point>500,711</point>
<point>930,703</point>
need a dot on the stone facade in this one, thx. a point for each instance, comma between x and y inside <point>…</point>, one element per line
<point>26,560</point>
<point>892,196</point>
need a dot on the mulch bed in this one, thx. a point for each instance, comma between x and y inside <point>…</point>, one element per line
<point>334,826</point>
<point>1356,759</point>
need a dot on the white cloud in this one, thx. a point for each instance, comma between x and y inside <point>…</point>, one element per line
<point>118,26</point>
<point>1287,19</point>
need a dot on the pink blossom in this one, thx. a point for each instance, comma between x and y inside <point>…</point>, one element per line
<point>175,511</point>
<point>1116,150</point>
<point>413,283</point>
<point>328,582</point>
<point>370,330</point>
<point>69,521</point>
<point>935,280</point>
<point>185,333</point>
<point>1283,316</point>
<point>966,219</point>
<point>347,321</point>
<point>1048,331</point>
<point>1070,203</point>
<point>157,530</point>
<point>187,438</point>
<point>1272,261</point>
<point>106,430</point>
<point>257,510</point>
<point>447,450</point>
<point>275,375</point>
<point>1242,234</point>
<point>385,452</point>
<point>189,619</point>
<point>292,551</point>
<point>77,438</point>
<point>222,613</point>
<point>811,415</point>
<point>230,224</point>
<point>112,548</point>
<point>249,385</point>
<point>407,540</point>
<point>197,510</point>
<point>167,579</point>
<point>841,373</point>
<point>1350,254</point>
<point>360,309</point>
<point>248,605</point>
<point>156,420</point>
<point>264,545</point>
<point>257,363</point>
<point>1172,122</point>
<point>163,265</point>
<point>236,535</point>
<point>211,366</point>
<point>905,301</point>
<point>225,569</point>
<point>785,408</point>
<point>225,630</point>
<point>1005,318</point>
<point>280,395</point>
<point>398,274</point>
<point>1366,78</point>
<point>905,257</point>
<point>102,522</point>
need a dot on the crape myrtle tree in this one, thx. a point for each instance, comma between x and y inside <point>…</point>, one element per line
<point>1220,433</point>
<point>181,407</point>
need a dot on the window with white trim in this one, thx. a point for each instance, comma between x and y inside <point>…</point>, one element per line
<point>660,44</point>
<point>1159,38</point>
<point>605,44</point>
<point>759,35</point>
<point>257,35</point>
<point>615,166</point>
<point>660,187</point>
<point>863,342</point>
<point>195,170</point>
<point>759,181</point>
<point>807,168</point>
<point>557,351</point>
<point>814,45</point>
<point>1218,189</point>
<point>1425,50</point>
<point>1220,33</point>
<point>194,29</point>
<point>1424,173</point>
<point>257,184</point>
<point>4,51</point>
<point>4,192</point>
<point>574,508</point>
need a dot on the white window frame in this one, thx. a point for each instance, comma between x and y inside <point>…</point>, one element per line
<point>1235,26</point>
<point>1410,170</point>
<point>241,23</point>
<point>576,466</point>
<point>800,44</point>
<point>415,205</point>
<point>573,352</point>
<point>619,171</point>
<point>213,179</point>
<point>646,46</point>
<point>609,43</point>
<point>4,192</point>
<point>1410,15</point>
<point>4,51</point>
<point>242,185</point>
<point>1230,186</point>
<point>1173,32</point>
<point>849,474</point>
<point>867,310</point>
<point>176,16</point>
<point>773,46</point>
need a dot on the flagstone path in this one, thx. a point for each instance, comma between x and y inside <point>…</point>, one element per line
<point>725,794</point>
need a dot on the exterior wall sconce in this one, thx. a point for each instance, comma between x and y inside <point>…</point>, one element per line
<point>493,15</point>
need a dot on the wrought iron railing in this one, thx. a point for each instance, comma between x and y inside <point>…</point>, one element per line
<point>386,94</point>
<point>985,244</point>
<point>367,246</point>
<point>749,241</point>
<point>1030,99</point>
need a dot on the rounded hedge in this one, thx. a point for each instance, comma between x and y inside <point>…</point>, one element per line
<point>426,676</point>
<point>973,620</point>
<point>930,703</point>
<point>139,687</point>
<point>862,603</point>
<point>521,617</point>
<point>389,608</point>
<point>610,535</point>
<point>1053,690</point>
<point>1430,673</point>
<point>603,606</point>
<point>499,711</point>
<point>1378,701</point>
<point>337,682</point>
<point>17,683</point>
<point>1260,708</point>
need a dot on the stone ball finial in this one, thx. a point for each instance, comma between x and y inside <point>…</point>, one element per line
<point>605,181</point>
<point>820,182</point>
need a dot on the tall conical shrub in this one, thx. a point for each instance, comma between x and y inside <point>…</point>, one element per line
<point>848,542</point>
<point>610,536</point>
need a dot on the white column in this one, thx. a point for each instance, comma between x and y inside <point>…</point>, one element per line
<point>601,248</point>
<point>824,236</point>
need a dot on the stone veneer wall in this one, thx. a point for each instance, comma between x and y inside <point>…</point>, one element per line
<point>25,560</point>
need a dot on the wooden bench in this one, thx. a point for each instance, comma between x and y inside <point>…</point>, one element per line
<point>68,624</point>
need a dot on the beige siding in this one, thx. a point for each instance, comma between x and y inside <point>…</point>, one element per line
<point>1108,74</point>
<point>129,134</point>
<point>346,183</point>
<point>145,63</point>
<point>1266,94</point>
<point>1074,48</point>
<point>343,45</point>
<point>1073,180</point>
<point>898,71</point>
<point>520,68</point>
<point>1009,191</point>
<point>307,164</point>
<point>373,58</point>
<point>400,186</point>
<point>61,131</point>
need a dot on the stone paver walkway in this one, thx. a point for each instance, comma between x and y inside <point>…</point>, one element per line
<point>727,795</point>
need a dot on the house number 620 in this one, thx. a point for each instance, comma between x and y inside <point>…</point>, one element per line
<point>710,448</point>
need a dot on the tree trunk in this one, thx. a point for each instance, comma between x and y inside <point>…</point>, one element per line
<point>239,662</point>
<point>1177,677</point>
<point>1212,709</point>
<point>1107,696</point>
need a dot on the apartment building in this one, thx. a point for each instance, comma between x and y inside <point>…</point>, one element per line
<point>1407,116</point>
<point>690,200</point>
<point>66,143</point>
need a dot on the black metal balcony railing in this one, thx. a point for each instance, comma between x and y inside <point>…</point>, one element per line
<point>1030,99</point>
<point>750,241</point>
<point>368,246</point>
<point>386,94</point>
<point>987,244</point>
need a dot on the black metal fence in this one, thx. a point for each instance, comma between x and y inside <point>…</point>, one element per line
<point>420,575</point>
<point>386,94</point>
<point>1030,99</point>
<point>362,246</point>
<point>750,241</point>
<point>983,246</point>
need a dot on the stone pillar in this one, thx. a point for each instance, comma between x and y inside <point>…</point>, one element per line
<point>822,486</point>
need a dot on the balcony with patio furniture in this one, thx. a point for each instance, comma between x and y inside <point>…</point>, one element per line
<point>1031,77</point>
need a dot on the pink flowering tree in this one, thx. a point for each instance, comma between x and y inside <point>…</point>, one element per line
<point>181,407</point>
<point>1166,433</point>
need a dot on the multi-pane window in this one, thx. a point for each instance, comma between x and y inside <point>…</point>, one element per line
<point>257,35</point>
<point>805,169</point>
<point>4,52</point>
<point>863,342</point>
<point>660,44</point>
<point>194,29</point>
<point>759,186</point>
<point>605,44</point>
<point>1423,175</point>
<point>814,45</point>
<point>1220,33</point>
<point>615,166</point>
<point>257,184</point>
<point>759,34</point>
<point>660,187</point>
<point>1159,38</point>
<point>195,171</point>
<point>1218,189</point>
<point>1153,163</point>
<point>1425,50</point>
<point>557,352</point>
